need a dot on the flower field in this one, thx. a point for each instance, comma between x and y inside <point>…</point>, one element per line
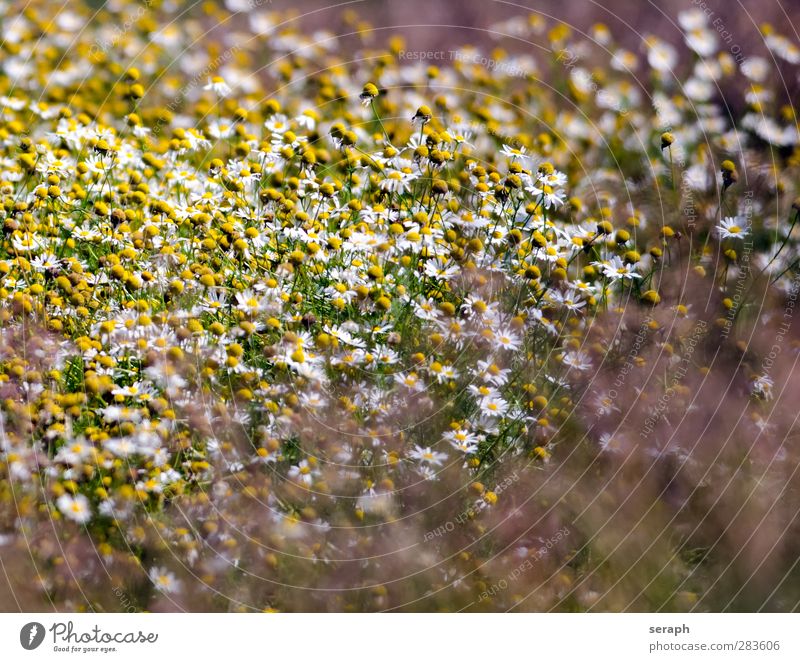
<point>316,322</point>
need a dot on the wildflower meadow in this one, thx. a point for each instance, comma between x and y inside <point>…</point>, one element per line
<point>314,319</point>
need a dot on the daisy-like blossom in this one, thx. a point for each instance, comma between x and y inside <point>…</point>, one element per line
<point>615,269</point>
<point>661,56</point>
<point>577,361</point>
<point>732,227</point>
<point>218,86</point>
<point>427,455</point>
<point>75,508</point>
<point>164,580</point>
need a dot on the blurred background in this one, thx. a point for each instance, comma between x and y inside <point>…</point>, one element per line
<point>438,24</point>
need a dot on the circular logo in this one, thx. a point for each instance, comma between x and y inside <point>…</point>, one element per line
<point>31,635</point>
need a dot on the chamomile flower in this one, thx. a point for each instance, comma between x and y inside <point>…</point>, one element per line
<point>45,262</point>
<point>576,361</point>
<point>218,86</point>
<point>462,440</point>
<point>732,227</point>
<point>75,508</point>
<point>427,455</point>
<point>615,269</point>
<point>661,56</point>
<point>164,581</point>
<point>395,181</point>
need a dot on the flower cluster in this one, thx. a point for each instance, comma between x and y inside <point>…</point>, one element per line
<point>260,326</point>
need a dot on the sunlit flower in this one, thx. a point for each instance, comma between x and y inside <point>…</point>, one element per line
<point>75,507</point>
<point>732,227</point>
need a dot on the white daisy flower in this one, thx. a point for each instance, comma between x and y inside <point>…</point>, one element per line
<point>75,507</point>
<point>164,580</point>
<point>427,455</point>
<point>732,227</point>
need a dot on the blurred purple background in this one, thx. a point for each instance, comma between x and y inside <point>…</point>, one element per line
<point>445,23</point>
